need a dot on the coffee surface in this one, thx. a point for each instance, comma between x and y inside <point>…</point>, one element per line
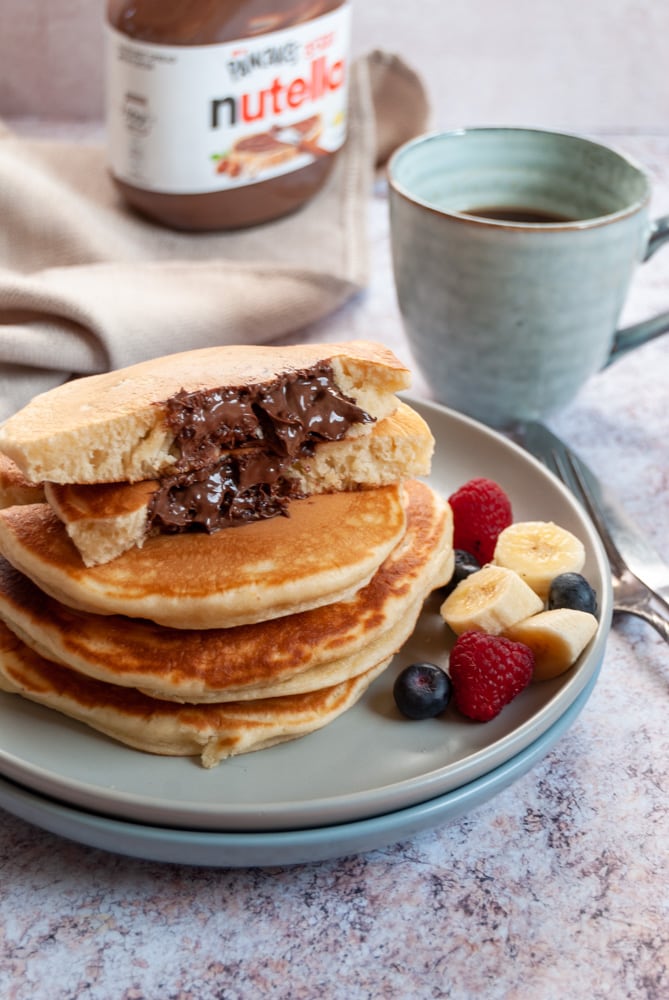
<point>517,213</point>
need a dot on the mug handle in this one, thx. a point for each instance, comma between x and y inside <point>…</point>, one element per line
<point>640,333</point>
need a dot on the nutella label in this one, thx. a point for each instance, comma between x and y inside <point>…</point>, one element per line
<point>202,118</point>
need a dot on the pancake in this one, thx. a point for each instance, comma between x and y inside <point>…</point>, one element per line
<point>105,519</point>
<point>183,409</point>
<point>15,488</point>
<point>329,547</point>
<point>213,732</point>
<point>293,654</point>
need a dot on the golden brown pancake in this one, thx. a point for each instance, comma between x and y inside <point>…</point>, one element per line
<point>296,653</point>
<point>105,519</point>
<point>14,487</point>
<point>115,427</point>
<point>212,731</point>
<point>326,550</point>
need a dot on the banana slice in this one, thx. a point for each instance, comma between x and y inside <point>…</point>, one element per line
<point>538,551</point>
<point>557,638</point>
<point>489,600</point>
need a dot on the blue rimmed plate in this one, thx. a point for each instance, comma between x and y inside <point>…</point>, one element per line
<point>237,849</point>
<point>369,762</point>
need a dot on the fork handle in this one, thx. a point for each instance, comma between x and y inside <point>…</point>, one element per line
<point>657,621</point>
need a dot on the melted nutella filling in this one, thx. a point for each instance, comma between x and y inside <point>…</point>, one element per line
<point>249,487</point>
<point>268,427</point>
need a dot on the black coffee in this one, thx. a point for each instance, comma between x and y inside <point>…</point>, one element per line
<point>514,213</point>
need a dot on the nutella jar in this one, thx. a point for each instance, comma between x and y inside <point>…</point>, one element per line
<point>225,113</point>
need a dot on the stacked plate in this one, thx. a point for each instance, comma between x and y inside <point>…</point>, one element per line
<point>366,780</point>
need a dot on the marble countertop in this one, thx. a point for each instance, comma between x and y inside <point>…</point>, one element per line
<point>556,887</point>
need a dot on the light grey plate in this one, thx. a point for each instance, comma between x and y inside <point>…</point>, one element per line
<point>238,849</point>
<point>370,761</point>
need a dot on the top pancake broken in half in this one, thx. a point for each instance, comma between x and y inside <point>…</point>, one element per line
<point>215,438</point>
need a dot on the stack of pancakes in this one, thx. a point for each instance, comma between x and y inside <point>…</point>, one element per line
<point>219,550</point>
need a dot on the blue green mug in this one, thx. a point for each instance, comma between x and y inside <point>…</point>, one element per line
<point>513,251</point>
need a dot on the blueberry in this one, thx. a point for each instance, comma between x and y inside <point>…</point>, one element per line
<point>465,565</point>
<point>422,690</point>
<point>571,590</point>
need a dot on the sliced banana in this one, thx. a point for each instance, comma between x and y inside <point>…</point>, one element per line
<point>538,551</point>
<point>557,638</point>
<point>489,600</point>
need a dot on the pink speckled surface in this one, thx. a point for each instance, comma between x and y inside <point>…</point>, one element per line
<point>555,888</point>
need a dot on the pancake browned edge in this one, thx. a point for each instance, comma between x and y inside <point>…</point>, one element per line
<point>15,488</point>
<point>330,546</point>
<point>214,731</point>
<point>217,437</point>
<point>299,653</point>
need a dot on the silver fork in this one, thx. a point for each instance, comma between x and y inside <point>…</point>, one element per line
<point>630,595</point>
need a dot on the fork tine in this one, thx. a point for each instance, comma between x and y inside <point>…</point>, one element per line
<point>584,493</point>
<point>563,463</point>
<point>551,452</point>
<point>564,470</point>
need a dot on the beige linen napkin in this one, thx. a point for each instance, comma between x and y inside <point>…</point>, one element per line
<point>87,285</point>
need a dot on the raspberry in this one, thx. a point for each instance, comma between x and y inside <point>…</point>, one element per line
<point>481,510</point>
<point>487,672</point>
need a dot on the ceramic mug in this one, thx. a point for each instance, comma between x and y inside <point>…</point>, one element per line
<point>513,251</point>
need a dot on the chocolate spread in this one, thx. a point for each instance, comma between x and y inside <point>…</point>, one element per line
<point>240,488</point>
<point>190,80</point>
<point>266,428</point>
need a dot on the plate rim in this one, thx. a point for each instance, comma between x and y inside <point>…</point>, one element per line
<point>265,848</point>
